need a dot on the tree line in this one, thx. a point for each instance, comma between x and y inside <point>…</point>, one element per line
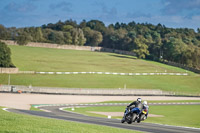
<point>154,42</point>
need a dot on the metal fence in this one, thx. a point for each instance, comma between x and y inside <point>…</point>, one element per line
<point>81,91</point>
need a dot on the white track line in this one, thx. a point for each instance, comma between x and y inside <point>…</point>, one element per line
<point>5,109</point>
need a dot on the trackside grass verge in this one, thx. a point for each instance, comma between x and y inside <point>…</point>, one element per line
<point>18,123</point>
<point>178,84</point>
<point>34,109</point>
<point>178,115</point>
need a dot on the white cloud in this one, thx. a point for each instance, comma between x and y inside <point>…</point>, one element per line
<point>20,7</point>
<point>183,7</point>
<point>64,6</point>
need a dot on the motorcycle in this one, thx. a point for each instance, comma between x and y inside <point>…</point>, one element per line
<point>134,115</point>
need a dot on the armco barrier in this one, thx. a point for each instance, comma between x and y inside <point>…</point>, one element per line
<point>80,91</point>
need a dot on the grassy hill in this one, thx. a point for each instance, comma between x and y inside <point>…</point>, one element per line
<point>57,60</point>
<point>46,59</point>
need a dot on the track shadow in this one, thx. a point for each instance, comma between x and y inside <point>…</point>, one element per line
<point>124,56</point>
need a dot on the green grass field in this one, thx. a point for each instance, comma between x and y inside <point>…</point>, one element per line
<point>179,115</point>
<point>180,85</point>
<point>18,123</point>
<point>57,60</point>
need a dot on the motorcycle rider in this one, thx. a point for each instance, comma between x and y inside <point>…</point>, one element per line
<point>137,104</point>
<point>145,107</point>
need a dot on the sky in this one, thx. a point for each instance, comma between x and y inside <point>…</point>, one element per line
<point>171,13</point>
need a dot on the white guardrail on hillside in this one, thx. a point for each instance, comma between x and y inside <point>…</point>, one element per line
<point>111,73</point>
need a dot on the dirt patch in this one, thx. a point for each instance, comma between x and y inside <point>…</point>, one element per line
<point>153,115</point>
<point>108,113</point>
<point>119,114</point>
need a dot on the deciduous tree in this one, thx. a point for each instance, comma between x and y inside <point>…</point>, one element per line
<point>5,56</point>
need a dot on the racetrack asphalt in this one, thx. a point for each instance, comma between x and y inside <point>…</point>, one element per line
<point>56,113</point>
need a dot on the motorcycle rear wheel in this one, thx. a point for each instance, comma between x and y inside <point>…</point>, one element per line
<point>141,118</point>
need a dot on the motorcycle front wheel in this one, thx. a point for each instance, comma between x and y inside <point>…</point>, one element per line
<point>129,118</point>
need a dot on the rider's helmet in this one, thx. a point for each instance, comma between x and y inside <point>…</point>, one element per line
<point>145,103</point>
<point>139,100</point>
